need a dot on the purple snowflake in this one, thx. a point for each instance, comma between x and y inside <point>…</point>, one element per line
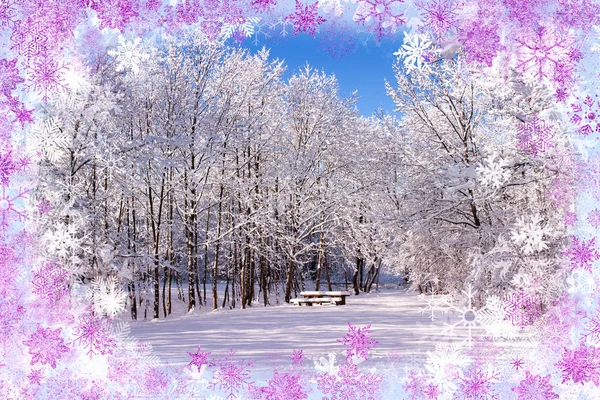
<point>577,14</point>
<point>297,357</point>
<point>262,5</point>
<point>570,218</point>
<point>283,386</point>
<point>582,254</point>
<point>114,14</point>
<point>534,136</point>
<point>9,165</point>
<point>561,95</point>
<point>8,206</point>
<point>306,18</point>
<point>593,218</point>
<point>9,76</point>
<point>7,12</point>
<point>559,319</point>
<point>358,341</point>
<point>517,363</point>
<point>200,358</point>
<point>155,381</point>
<point>480,41</point>
<point>541,50</point>
<point>535,387</point>
<point>51,282</point>
<point>22,115</point>
<point>476,384</point>
<point>231,376</point>
<point>385,14</point>
<point>35,377</point>
<point>439,15</point>
<point>28,38</point>
<point>11,314</point>
<point>46,75</point>
<point>581,365</point>
<point>524,11</point>
<point>522,309</point>
<point>417,387</point>
<point>586,115</point>
<point>93,333</point>
<point>593,327</point>
<point>46,346</point>
<point>349,384</point>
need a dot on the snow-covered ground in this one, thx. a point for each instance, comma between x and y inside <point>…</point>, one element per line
<point>269,334</point>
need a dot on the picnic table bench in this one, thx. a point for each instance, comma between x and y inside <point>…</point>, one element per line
<point>310,298</point>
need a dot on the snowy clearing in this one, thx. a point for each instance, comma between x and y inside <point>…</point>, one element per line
<point>269,334</point>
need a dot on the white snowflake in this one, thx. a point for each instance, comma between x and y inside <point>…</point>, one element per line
<point>530,234</point>
<point>414,51</point>
<point>444,363</point>
<point>196,376</point>
<point>581,281</point>
<point>493,318</point>
<point>539,276</point>
<point>107,296</point>
<point>490,317</point>
<point>327,366</point>
<point>130,348</point>
<point>48,138</point>
<point>129,55</point>
<point>247,28</point>
<point>334,7</point>
<point>493,172</point>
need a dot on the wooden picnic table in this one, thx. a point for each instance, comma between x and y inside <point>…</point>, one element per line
<point>330,297</point>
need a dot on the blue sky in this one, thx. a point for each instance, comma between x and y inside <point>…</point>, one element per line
<point>363,70</point>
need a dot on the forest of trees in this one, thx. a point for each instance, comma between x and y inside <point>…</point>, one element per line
<point>207,167</point>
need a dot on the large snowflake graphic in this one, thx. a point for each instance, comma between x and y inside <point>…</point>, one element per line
<point>529,234</point>
<point>200,358</point>
<point>231,376</point>
<point>284,386</point>
<point>542,50</point>
<point>581,365</point>
<point>582,254</point>
<point>93,333</point>
<point>535,387</point>
<point>490,316</point>
<point>46,76</point>
<point>382,15</point>
<point>358,342</point>
<point>481,42</point>
<point>114,14</point>
<point>106,296</point>
<point>417,387</point>
<point>28,38</point>
<point>522,309</point>
<point>51,282</point>
<point>46,346</point>
<point>534,136</point>
<point>415,51</point>
<point>305,18</point>
<point>349,383</point>
<point>493,171</point>
<point>476,383</point>
<point>48,138</point>
<point>129,55</point>
<point>439,15</point>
